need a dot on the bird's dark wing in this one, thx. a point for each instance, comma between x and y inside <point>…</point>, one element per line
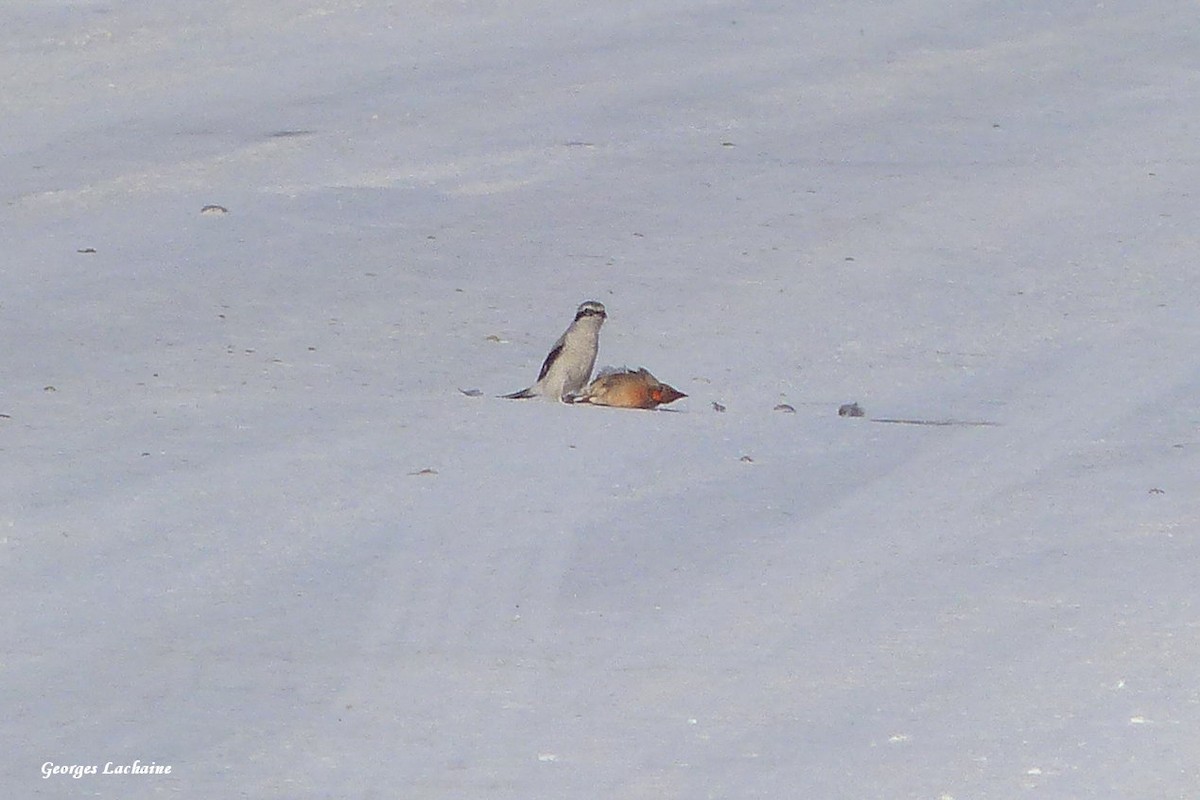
<point>550,359</point>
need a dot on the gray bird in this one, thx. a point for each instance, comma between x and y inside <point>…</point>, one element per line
<point>569,365</point>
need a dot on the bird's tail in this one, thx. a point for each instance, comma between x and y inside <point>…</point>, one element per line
<point>524,394</point>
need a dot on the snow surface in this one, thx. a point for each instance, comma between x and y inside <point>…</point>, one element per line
<point>250,527</point>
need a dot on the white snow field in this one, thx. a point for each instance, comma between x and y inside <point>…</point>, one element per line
<point>252,530</point>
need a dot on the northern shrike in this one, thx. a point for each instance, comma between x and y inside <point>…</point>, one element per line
<point>569,365</point>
